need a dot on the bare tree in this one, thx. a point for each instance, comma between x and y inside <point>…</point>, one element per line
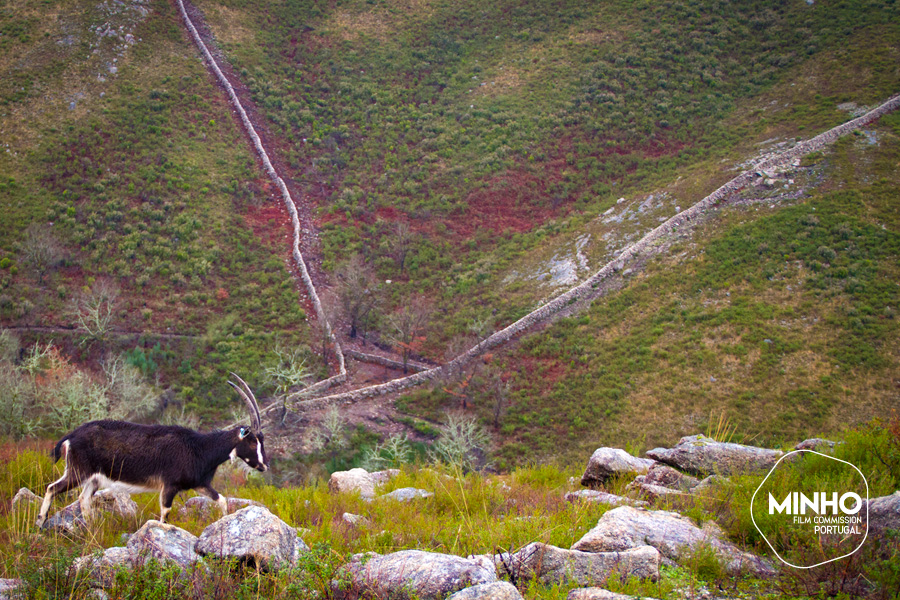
<point>408,327</point>
<point>39,250</point>
<point>287,371</point>
<point>94,310</point>
<point>400,244</point>
<point>499,388</point>
<point>358,294</point>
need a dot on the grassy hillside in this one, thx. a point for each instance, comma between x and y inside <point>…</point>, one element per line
<point>467,153</point>
<point>121,160</point>
<point>780,319</point>
<point>483,127</point>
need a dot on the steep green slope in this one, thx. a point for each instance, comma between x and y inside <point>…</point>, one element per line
<point>121,154</point>
<point>477,124</point>
<point>779,317</point>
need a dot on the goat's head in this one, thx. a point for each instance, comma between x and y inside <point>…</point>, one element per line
<point>250,446</point>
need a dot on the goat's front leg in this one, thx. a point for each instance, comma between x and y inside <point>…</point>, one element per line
<point>166,497</point>
<point>215,496</point>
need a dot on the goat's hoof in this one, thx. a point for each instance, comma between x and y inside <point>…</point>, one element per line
<point>39,522</point>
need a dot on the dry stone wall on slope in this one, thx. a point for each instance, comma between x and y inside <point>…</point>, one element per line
<point>282,188</point>
<point>585,290</point>
<point>580,292</point>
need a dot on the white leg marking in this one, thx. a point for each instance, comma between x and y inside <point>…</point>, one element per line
<point>223,504</point>
<point>48,496</point>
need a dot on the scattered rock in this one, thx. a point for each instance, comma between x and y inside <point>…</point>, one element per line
<point>674,535</point>
<point>408,493</point>
<point>205,508</point>
<point>408,574</point>
<point>164,542</point>
<point>359,480</point>
<point>68,520</point>
<point>484,560</point>
<point>10,588</point>
<point>355,520</point>
<point>700,455</point>
<point>499,590</point>
<point>817,444</point>
<point>603,497</point>
<point>666,476</point>
<point>553,565</point>
<point>100,569</point>
<point>884,513</point>
<point>24,499</point>
<point>252,534</point>
<point>596,593</point>
<point>606,463</point>
<point>118,503</point>
<point>708,482</point>
<point>650,491</point>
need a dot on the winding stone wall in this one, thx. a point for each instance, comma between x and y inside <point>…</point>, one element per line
<point>580,292</point>
<point>586,288</point>
<point>285,194</point>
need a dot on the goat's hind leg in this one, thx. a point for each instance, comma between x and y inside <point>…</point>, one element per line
<point>60,486</point>
<point>87,493</point>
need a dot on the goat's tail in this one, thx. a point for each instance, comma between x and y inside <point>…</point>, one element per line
<point>57,449</point>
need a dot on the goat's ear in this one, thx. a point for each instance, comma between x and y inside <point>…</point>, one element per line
<point>244,432</point>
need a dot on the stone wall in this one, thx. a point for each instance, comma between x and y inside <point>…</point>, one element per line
<point>285,194</point>
<point>580,292</point>
<point>586,288</point>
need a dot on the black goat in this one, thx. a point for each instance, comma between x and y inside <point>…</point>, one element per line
<point>146,458</point>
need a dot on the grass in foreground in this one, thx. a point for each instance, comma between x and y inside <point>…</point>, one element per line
<point>468,514</point>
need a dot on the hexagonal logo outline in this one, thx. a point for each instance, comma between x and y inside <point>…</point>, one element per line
<point>772,470</point>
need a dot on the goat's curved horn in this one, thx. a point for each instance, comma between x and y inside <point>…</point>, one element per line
<point>247,394</point>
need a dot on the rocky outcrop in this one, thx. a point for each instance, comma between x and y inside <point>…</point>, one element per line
<point>408,493</point>
<point>884,513</point>
<point>603,497</point>
<point>552,565</point>
<point>596,593</point>
<point>499,590</point>
<point>253,535</point>
<point>606,463</point>
<point>700,455</point>
<point>675,536</point>
<point>163,542</point>
<point>205,508</point>
<point>408,574</point>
